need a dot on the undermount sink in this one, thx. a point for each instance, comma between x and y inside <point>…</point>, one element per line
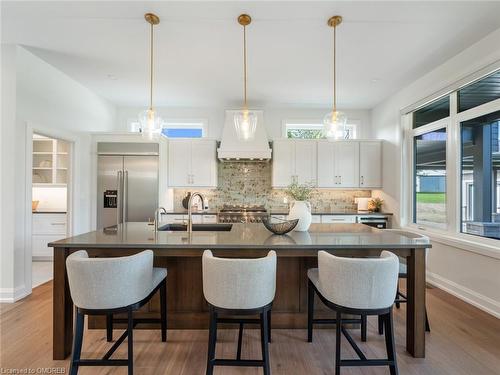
<point>197,227</point>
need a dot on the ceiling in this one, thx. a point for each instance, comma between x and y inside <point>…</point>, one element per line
<point>382,46</point>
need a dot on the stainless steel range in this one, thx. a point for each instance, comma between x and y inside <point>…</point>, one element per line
<point>242,214</point>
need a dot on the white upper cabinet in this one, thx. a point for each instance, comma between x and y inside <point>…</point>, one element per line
<point>370,164</point>
<point>294,161</point>
<point>305,162</point>
<point>349,164</point>
<point>338,164</point>
<point>192,163</point>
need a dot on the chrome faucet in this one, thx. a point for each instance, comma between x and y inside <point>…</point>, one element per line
<point>190,210</point>
<point>158,212</point>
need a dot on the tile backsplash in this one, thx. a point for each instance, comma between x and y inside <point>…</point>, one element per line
<point>250,183</point>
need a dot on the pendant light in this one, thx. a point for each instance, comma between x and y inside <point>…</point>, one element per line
<point>245,122</point>
<point>334,121</point>
<point>149,120</point>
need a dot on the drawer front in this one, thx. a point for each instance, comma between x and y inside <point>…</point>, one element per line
<point>329,219</point>
<point>174,219</point>
<point>209,219</point>
<point>49,224</point>
<point>39,244</point>
<point>316,219</point>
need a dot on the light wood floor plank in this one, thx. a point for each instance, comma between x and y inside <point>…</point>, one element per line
<point>463,341</point>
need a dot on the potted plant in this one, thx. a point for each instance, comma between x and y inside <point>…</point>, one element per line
<point>300,208</point>
<point>375,204</point>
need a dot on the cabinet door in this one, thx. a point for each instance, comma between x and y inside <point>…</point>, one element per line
<point>305,162</point>
<point>370,164</point>
<point>203,163</point>
<point>326,165</point>
<point>179,163</point>
<point>347,163</point>
<point>329,219</point>
<point>283,162</point>
<point>39,243</point>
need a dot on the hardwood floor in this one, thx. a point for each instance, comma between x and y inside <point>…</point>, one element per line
<point>464,340</point>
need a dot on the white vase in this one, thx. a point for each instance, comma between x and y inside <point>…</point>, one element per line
<point>301,210</point>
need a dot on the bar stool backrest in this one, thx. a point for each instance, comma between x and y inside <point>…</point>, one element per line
<point>108,283</point>
<point>239,283</point>
<point>360,283</point>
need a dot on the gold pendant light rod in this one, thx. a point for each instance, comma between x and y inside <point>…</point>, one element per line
<point>244,20</point>
<point>334,22</point>
<point>152,19</point>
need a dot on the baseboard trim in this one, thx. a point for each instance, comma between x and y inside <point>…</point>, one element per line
<point>10,295</point>
<point>478,300</point>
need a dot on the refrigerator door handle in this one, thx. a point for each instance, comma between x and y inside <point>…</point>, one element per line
<point>118,197</point>
<point>125,196</point>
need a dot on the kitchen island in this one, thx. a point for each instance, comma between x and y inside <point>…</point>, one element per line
<point>180,252</point>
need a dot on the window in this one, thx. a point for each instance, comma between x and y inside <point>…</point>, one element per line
<point>480,187</point>
<point>313,129</point>
<point>430,178</point>
<point>432,112</point>
<point>177,128</point>
<point>483,91</point>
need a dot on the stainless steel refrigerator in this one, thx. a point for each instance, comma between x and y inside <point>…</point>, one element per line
<point>127,182</point>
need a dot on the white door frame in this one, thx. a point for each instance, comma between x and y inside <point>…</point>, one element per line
<point>74,143</point>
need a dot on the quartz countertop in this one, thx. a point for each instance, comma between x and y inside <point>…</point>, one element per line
<point>243,236</point>
<point>285,212</point>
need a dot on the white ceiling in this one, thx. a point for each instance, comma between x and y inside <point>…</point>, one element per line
<point>382,46</point>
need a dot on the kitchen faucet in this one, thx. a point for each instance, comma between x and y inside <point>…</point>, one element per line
<point>158,212</point>
<point>190,209</point>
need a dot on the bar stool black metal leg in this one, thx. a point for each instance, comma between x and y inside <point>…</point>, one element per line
<point>310,311</point>
<point>77,342</point>
<point>212,338</point>
<point>338,338</point>
<point>397,297</point>
<point>130,343</point>
<point>269,324</point>
<point>389,343</point>
<point>109,327</point>
<point>163,310</point>
<point>427,325</point>
<point>380,325</point>
<point>265,342</point>
<point>240,340</point>
<point>363,327</point>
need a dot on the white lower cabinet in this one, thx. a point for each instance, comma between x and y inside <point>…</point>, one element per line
<point>316,219</point>
<point>332,219</point>
<point>46,228</point>
<point>182,219</point>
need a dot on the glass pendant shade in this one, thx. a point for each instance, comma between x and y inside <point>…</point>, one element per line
<point>150,122</point>
<point>334,125</point>
<point>245,123</point>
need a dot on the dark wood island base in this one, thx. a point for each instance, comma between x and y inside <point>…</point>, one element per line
<point>187,308</point>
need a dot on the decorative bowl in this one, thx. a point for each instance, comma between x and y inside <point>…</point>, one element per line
<point>280,226</point>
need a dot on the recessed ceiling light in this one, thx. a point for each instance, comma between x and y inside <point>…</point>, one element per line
<point>112,77</point>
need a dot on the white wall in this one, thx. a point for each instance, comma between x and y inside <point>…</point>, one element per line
<point>470,274</point>
<point>273,118</point>
<point>39,96</point>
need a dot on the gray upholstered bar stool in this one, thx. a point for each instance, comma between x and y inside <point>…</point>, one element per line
<point>107,286</point>
<point>403,274</point>
<point>236,287</point>
<point>357,286</point>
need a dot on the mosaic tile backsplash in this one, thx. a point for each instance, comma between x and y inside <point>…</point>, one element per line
<point>250,183</point>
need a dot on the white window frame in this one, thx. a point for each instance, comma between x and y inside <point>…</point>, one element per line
<point>315,124</point>
<point>453,235</point>
<point>175,123</point>
<point>187,124</point>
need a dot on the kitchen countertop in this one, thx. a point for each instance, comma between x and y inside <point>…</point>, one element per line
<point>243,236</point>
<point>283,212</point>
